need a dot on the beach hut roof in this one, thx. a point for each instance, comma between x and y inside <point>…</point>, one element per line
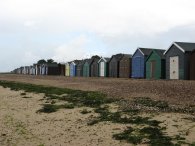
<point>118,57</point>
<point>160,53</point>
<point>127,55</point>
<point>183,46</point>
<point>106,59</point>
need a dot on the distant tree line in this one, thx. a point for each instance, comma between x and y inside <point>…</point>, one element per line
<point>42,61</point>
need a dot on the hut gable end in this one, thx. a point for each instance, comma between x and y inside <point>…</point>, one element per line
<point>178,60</point>
<point>103,67</point>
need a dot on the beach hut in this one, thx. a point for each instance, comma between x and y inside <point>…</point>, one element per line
<point>114,65</point>
<point>79,68</point>
<point>125,66</point>
<point>52,69</point>
<point>31,70</point>
<point>16,71</point>
<point>40,69</point>
<point>37,69</point>
<point>26,70</point>
<point>94,66</point>
<point>103,66</point>
<point>43,69</point>
<point>178,60</point>
<point>72,69</point>
<point>67,69</point>
<point>61,69</point>
<point>87,68</point>
<point>138,62</point>
<point>34,69</point>
<point>23,70</point>
<point>20,70</point>
<point>192,66</point>
<point>155,65</point>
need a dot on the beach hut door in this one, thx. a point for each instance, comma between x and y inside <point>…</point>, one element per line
<point>153,66</point>
<point>102,69</point>
<point>174,67</point>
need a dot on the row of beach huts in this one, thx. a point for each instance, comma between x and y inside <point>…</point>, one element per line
<point>177,62</point>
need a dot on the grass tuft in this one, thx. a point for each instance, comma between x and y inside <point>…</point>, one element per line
<point>23,93</point>
<point>68,106</point>
<point>153,135</point>
<point>85,111</point>
<point>26,97</point>
<point>146,101</point>
<point>48,108</point>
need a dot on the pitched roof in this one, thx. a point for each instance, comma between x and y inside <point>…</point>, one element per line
<point>89,61</point>
<point>183,46</point>
<point>96,60</point>
<point>106,59</point>
<point>127,55</point>
<point>146,51</point>
<point>160,53</point>
<point>77,61</point>
<point>81,62</point>
<point>118,57</point>
<point>186,46</point>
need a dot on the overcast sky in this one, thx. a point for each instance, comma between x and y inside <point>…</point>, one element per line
<point>65,30</point>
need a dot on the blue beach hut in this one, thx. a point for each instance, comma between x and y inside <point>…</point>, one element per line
<point>138,62</point>
<point>72,69</point>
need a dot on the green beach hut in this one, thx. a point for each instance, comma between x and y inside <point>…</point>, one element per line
<point>155,65</point>
<point>87,68</point>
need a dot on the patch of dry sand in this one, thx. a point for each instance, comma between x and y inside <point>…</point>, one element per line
<point>178,124</point>
<point>21,125</point>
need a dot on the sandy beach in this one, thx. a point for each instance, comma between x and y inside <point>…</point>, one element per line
<point>20,124</point>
